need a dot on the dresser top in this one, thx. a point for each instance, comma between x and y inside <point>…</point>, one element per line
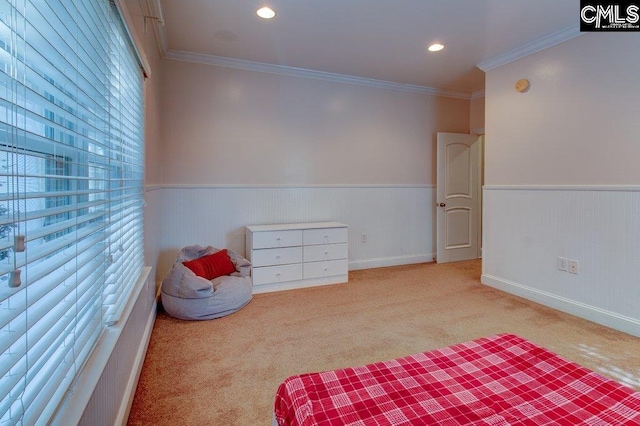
<point>294,226</point>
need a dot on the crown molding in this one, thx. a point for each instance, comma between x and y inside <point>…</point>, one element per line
<point>530,48</point>
<point>242,64</point>
<point>477,94</point>
<point>154,187</point>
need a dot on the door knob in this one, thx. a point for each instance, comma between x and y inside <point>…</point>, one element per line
<point>440,204</point>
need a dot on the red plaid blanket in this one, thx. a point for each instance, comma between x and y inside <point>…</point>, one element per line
<point>499,380</point>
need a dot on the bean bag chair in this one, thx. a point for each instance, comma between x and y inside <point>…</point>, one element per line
<point>221,286</point>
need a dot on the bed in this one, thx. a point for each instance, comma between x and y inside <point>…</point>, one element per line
<point>498,380</point>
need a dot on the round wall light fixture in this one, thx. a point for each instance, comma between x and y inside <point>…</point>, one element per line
<point>522,85</point>
<point>435,47</point>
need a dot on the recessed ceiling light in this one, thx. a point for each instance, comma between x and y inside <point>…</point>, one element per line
<point>435,47</point>
<point>266,12</point>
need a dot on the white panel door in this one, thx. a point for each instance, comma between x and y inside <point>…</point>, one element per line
<point>458,197</point>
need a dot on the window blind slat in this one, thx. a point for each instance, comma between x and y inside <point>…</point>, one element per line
<point>57,245</point>
<point>71,183</point>
<point>65,264</point>
<point>57,57</point>
<point>18,328</point>
<point>50,340</point>
<point>47,320</point>
<point>119,247</point>
<point>32,195</point>
<point>93,268</point>
<point>65,225</point>
<point>38,214</point>
<point>119,297</point>
<point>14,383</point>
<point>38,393</point>
<point>88,276</point>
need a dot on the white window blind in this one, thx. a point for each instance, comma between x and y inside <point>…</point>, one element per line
<point>71,176</point>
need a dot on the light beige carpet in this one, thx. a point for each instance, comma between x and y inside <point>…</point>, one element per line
<point>226,371</point>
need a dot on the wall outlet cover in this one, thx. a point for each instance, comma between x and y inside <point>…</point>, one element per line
<point>563,264</point>
<point>573,266</point>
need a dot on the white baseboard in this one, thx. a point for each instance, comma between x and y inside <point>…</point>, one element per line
<point>292,285</point>
<point>132,383</point>
<point>382,262</point>
<point>591,313</point>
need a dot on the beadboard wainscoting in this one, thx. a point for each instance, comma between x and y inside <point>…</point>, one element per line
<point>398,220</point>
<point>526,229</point>
<point>153,228</point>
<point>104,390</point>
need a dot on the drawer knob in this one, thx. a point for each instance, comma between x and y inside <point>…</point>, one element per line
<point>278,257</point>
<point>326,252</point>
<point>278,238</point>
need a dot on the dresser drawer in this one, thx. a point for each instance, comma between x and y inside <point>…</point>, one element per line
<point>276,256</point>
<point>326,269</point>
<point>325,236</point>
<point>277,274</point>
<point>268,239</point>
<point>325,252</point>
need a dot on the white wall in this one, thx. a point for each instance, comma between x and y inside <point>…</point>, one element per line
<point>153,170</point>
<point>398,220</point>
<point>578,123</point>
<point>229,126</point>
<point>562,178</point>
<point>242,147</point>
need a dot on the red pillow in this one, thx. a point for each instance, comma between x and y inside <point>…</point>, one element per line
<point>212,266</point>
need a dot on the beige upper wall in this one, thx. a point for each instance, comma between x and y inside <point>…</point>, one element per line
<point>476,114</point>
<point>228,126</point>
<point>578,123</point>
<point>153,142</point>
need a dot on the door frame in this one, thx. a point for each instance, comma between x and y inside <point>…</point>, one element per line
<point>480,186</point>
<point>478,183</point>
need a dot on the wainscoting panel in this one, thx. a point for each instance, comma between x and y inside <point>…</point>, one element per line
<point>153,229</point>
<point>526,229</point>
<point>398,220</point>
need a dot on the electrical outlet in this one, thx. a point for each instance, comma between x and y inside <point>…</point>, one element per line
<point>562,264</point>
<point>363,238</point>
<point>573,266</point>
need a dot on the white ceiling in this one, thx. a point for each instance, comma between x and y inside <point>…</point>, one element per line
<point>374,39</point>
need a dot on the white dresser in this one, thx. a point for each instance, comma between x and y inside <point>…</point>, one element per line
<point>297,255</point>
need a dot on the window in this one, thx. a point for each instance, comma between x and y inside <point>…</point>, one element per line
<point>71,176</point>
